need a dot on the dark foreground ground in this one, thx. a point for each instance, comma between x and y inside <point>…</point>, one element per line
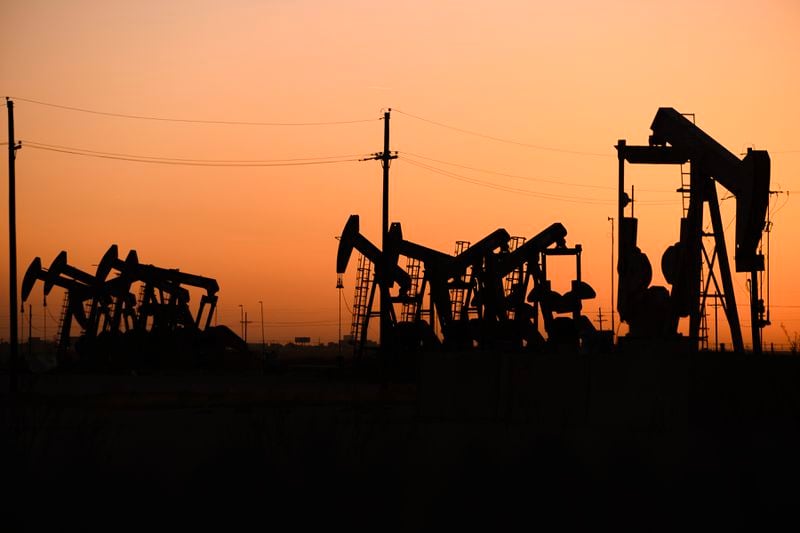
<point>645,442</point>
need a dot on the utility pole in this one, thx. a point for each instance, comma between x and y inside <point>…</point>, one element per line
<point>30,330</point>
<point>385,158</point>
<point>12,245</point>
<point>339,287</point>
<point>716,322</point>
<point>768,230</point>
<point>612,276</point>
<point>241,320</point>
<point>263,341</point>
<point>600,317</point>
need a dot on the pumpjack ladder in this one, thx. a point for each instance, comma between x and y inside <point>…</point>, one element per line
<point>457,294</point>
<point>411,304</point>
<point>361,309</point>
<point>514,277</point>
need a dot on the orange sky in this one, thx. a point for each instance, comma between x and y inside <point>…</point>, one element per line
<point>570,75</point>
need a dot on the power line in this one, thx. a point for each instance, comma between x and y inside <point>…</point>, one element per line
<point>516,190</point>
<point>504,188</point>
<point>189,162</point>
<point>300,324</point>
<point>503,140</point>
<point>527,178</point>
<point>346,304</point>
<point>185,160</point>
<point>541,180</point>
<point>189,121</point>
<point>772,215</point>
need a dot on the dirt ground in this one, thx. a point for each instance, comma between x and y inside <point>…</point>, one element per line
<point>645,442</point>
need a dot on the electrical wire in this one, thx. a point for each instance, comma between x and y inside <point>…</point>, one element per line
<point>772,215</point>
<point>191,162</point>
<point>347,305</point>
<point>499,187</point>
<point>296,324</point>
<point>299,322</point>
<point>188,160</point>
<point>54,319</point>
<point>503,140</point>
<point>526,178</point>
<point>188,121</point>
<point>516,190</point>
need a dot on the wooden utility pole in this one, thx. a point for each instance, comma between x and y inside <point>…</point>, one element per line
<point>385,158</point>
<point>30,330</point>
<point>12,252</point>
<point>263,339</point>
<point>612,276</point>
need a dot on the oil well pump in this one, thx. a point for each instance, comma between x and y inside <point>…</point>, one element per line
<point>386,274</point>
<point>526,267</point>
<point>444,275</point>
<point>116,325</point>
<point>477,297</point>
<point>165,300</point>
<point>653,312</point>
<point>75,296</point>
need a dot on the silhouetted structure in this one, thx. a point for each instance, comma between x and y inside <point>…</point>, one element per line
<point>484,296</point>
<point>120,330</point>
<point>654,312</point>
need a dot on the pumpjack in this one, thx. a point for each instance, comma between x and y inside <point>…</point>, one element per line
<point>530,260</point>
<point>164,312</point>
<point>442,273</point>
<point>387,274</point>
<point>115,325</point>
<point>653,312</point>
<point>467,297</point>
<point>77,293</point>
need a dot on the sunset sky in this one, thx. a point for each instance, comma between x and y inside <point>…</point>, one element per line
<point>562,80</point>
